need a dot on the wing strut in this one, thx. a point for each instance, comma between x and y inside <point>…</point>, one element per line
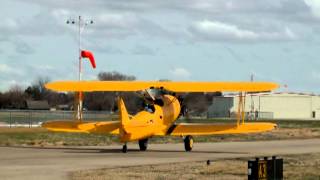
<point>241,108</point>
<point>79,105</point>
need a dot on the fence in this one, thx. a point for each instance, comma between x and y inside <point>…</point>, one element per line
<point>248,115</point>
<point>35,117</point>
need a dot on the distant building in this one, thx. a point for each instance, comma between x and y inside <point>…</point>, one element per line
<point>269,106</point>
<point>63,107</point>
<point>37,105</point>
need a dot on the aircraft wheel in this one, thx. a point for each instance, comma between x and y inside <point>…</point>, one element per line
<point>143,144</point>
<point>124,148</point>
<point>188,143</point>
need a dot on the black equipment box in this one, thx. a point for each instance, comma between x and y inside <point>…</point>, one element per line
<point>265,169</point>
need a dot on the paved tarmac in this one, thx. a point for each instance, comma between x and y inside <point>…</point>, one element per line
<point>56,163</point>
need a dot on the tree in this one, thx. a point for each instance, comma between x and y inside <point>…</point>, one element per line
<point>108,100</point>
<point>115,76</point>
<point>198,103</point>
<point>14,98</point>
<point>37,91</point>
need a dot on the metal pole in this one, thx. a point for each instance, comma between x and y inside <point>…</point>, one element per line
<point>252,102</point>
<point>10,119</point>
<point>80,74</point>
<point>239,109</point>
<point>80,65</point>
<point>81,24</point>
<point>31,119</point>
<point>29,116</point>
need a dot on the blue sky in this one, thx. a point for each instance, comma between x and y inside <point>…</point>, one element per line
<point>190,40</point>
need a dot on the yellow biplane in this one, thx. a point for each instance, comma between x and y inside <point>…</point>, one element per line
<point>158,119</point>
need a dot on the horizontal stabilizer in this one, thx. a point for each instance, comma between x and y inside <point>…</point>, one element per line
<point>212,129</point>
<point>104,127</point>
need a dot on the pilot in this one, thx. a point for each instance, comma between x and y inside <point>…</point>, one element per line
<point>149,108</point>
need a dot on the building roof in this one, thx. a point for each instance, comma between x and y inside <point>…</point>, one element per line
<point>275,94</point>
<point>37,105</point>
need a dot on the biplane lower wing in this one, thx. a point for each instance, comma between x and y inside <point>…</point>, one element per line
<point>103,127</point>
<point>183,129</point>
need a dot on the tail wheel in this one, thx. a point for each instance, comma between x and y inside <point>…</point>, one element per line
<point>188,143</point>
<point>143,144</point>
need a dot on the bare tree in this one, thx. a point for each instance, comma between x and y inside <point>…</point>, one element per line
<point>198,103</point>
<point>37,91</point>
<point>14,98</point>
<point>115,76</point>
<point>107,100</point>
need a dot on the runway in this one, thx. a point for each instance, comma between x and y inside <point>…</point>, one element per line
<point>55,163</point>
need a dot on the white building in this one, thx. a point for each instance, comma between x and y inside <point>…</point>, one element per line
<point>268,106</point>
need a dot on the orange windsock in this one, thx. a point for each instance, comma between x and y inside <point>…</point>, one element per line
<point>88,54</point>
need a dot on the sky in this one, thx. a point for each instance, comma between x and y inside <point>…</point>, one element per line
<point>180,40</point>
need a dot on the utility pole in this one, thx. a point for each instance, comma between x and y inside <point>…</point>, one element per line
<point>82,23</point>
<point>252,103</point>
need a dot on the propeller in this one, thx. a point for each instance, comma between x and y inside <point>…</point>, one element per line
<point>154,97</point>
<point>184,109</point>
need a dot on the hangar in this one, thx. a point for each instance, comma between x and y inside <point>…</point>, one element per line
<point>281,105</point>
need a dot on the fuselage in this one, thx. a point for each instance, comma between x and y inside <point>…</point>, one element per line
<point>154,120</point>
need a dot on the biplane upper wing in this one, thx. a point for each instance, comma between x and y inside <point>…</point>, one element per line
<point>90,86</point>
<point>183,129</point>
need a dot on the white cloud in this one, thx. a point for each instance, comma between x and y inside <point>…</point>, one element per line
<point>222,30</point>
<point>215,30</point>
<point>288,32</point>
<point>167,24</point>
<point>314,6</point>
<point>42,67</point>
<point>315,75</point>
<point>180,73</point>
<point>9,23</point>
<point>5,85</point>
<point>5,68</point>
<point>117,20</point>
<point>142,50</point>
<point>60,13</point>
<point>234,20</point>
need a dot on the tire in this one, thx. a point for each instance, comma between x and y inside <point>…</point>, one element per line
<point>124,148</point>
<point>143,144</point>
<point>188,143</point>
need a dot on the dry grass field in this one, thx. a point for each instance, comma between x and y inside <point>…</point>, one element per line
<point>41,137</point>
<point>305,166</point>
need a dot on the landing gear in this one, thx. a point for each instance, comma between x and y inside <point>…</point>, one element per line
<point>188,143</point>
<point>143,144</point>
<point>124,148</point>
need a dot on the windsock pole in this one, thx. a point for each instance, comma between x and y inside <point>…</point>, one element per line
<point>81,24</point>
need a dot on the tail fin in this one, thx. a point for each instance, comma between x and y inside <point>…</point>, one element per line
<point>123,113</point>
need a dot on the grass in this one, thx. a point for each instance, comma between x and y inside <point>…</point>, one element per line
<point>305,166</point>
<point>295,167</point>
<point>282,123</point>
<point>41,137</point>
<point>25,116</point>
